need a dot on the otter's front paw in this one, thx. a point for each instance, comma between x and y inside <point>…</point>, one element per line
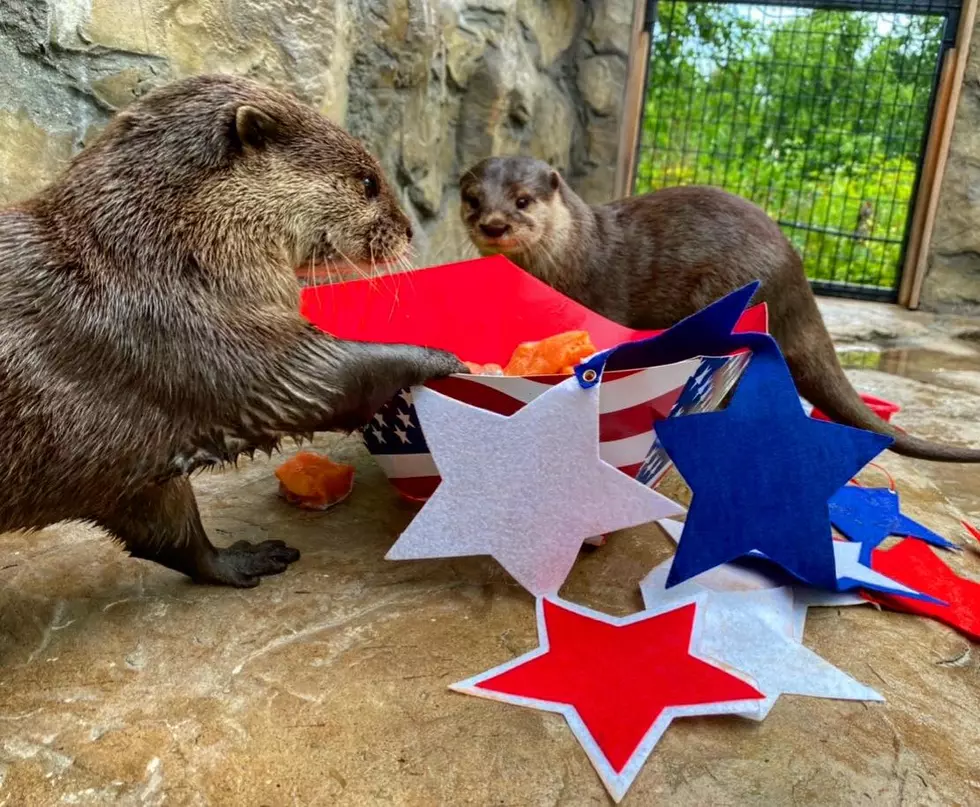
<point>439,363</point>
<point>242,564</point>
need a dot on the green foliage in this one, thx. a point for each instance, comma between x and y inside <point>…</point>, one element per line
<point>817,116</point>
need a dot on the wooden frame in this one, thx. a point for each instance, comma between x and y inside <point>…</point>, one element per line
<point>636,73</point>
<point>934,164</point>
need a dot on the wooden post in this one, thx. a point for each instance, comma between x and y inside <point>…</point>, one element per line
<point>963,36</point>
<point>936,128</point>
<point>633,101</point>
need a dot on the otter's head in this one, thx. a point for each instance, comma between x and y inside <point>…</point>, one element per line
<point>512,206</point>
<point>241,173</point>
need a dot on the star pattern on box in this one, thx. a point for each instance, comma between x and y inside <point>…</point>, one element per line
<point>618,682</point>
<point>393,422</point>
<point>527,489</point>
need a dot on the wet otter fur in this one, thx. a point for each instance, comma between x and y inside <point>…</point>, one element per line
<point>649,261</point>
<point>149,316</point>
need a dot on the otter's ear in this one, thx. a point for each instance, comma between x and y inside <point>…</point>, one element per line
<point>253,126</point>
<point>555,180</point>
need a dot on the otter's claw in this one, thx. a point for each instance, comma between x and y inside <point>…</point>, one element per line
<point>242,564</point>
<point>433,363</point>
<point>448,364</point>
<point>218,449</point>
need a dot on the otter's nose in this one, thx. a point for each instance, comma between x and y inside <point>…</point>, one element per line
<point>409,233</point>
<point>494,230</point>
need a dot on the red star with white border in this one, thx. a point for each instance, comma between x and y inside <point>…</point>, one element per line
<point>618,682</point>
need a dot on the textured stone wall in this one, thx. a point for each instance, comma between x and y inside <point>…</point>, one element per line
<point>952,282</point>
<point>430,85</point>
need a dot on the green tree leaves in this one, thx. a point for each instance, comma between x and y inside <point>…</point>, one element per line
<point>817,116</point>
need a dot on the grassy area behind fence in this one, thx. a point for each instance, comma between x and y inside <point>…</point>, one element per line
<point>817,116</point>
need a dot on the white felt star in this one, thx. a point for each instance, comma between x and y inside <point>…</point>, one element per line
<point>402,435</point>
<point>847,558</point>
<point>729,577</point>
<point>405,418</point>
<point>752,631</point>
<point>805,598</point>
<point>526,489</point>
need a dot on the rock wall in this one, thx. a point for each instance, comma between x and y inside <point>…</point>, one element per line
<point>952,282</point>
<point>431,86</point>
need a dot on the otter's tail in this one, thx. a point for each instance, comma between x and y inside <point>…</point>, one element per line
<point>821,380</point>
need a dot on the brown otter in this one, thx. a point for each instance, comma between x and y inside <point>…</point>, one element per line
<point>649,261</point>
<point>149,316</point>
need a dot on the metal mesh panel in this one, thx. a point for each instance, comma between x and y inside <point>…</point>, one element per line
<point>817,115</point>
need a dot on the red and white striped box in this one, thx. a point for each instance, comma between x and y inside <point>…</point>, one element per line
<point>481,310</point>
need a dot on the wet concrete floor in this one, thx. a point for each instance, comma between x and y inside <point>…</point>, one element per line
<point>122,684</point>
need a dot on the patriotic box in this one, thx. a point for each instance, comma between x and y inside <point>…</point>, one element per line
<point>480,310</point>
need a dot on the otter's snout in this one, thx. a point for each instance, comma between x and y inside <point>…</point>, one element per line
<point>495,229</point>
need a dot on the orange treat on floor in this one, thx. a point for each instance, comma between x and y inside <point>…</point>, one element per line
<point>556,354</point>
<point>314,482</point>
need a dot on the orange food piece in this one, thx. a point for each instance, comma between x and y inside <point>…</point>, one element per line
<point>556,354</point>
<point>484,369</point>
<point>314,482</point>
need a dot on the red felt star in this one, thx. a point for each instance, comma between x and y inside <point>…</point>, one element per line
<point>917,566</point>
<point>618,682</point>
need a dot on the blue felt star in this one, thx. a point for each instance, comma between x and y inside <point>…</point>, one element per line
<point>705,333</point>
<point>761,473</point>
<point>869,515</point>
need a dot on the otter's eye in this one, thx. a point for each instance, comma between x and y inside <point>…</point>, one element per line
<point>471,201</point>
<point>521,202</point>
<point>370,186</point>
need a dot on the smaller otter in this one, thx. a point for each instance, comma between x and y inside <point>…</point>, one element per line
<point>149,316</point>
<point>649,261</point>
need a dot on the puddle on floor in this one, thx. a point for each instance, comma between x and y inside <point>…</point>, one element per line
<point>919,364</point>
<point>908,362</point>
<point>960,484</point>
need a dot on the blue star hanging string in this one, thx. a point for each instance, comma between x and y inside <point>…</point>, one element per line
<point>868,516</point>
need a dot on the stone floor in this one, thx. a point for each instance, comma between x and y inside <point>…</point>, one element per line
<point>122,684</point>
